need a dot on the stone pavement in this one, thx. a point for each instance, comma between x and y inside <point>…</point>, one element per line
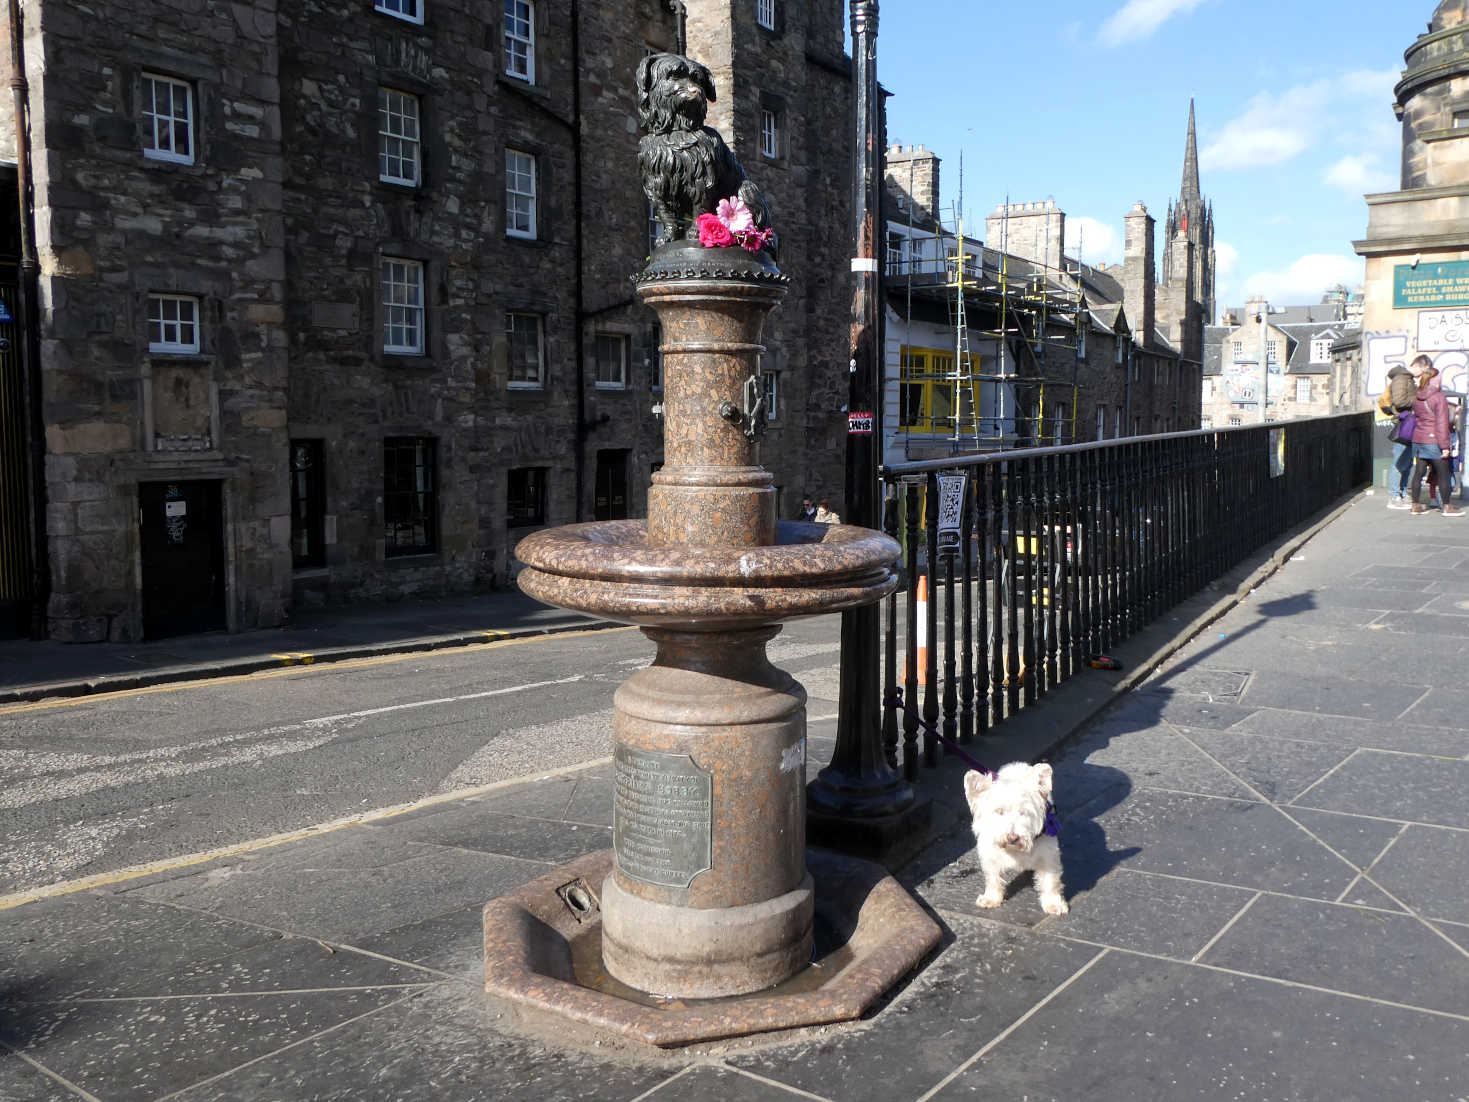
<point>1266,849</point>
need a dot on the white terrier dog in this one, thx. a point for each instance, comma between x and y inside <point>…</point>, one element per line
<point>1013,824</point>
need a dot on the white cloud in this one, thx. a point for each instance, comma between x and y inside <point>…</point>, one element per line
<point>1226,260</point>
<point>1137,19</point>
<point>1092,241</point>
<point>1361,174</point>
<point>1274,127</point>
<point>1306,279</point>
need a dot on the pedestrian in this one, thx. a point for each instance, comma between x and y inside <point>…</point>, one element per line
<point>1396,399</point>
<point>1431,444</point>
<point>1435,495</point>
<point>824,515</point>
<point>808,511</point>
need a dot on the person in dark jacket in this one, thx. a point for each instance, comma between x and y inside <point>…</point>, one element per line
<point>1397,399</point>
<point>1431,439</point>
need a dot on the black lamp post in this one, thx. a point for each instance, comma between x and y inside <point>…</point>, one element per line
<point>859,803</point>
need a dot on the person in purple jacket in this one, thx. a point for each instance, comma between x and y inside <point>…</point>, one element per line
<point>1431,440</point>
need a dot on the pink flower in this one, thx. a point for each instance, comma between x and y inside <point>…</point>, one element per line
<point>714,234</point>
<point>734,214</point>
<point>754,240</point>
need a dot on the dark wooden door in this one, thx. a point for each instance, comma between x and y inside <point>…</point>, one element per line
<point>182,530</point>
<point>611,503</point>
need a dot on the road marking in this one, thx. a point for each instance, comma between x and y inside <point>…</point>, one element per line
<point>114,771</point>
<point>293,671</point>
<point>188,860</point>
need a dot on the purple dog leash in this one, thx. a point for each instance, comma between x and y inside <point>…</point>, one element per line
<point>1053,820</point>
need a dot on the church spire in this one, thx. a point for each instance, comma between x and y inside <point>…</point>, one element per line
<point>1190,160</point>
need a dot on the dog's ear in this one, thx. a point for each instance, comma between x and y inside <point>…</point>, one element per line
<point>704,79</point>
<point>1043,778</point>
<point>975,783</point>
<point>645,84</point>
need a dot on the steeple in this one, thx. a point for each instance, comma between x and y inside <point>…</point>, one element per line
<point>1190,160</point>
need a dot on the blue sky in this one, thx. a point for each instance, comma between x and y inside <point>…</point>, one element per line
<point>1086,102</point>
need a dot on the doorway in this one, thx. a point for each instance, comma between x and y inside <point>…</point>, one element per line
<point>181,525</point>
<point>611,501</point>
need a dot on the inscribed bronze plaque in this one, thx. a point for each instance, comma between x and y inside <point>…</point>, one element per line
<point>662,817</point>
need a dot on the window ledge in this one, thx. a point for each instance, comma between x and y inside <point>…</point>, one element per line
<point>1445,134</point>
<point>406,360</point>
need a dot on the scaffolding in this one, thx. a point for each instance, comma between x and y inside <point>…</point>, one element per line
<point>1009,373</point>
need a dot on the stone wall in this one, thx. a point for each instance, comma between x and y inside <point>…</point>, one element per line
<point>112,227</point>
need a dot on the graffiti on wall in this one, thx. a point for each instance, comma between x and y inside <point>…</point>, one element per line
<point>1382,351</point>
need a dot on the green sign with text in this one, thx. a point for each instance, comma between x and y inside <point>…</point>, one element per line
<point>1430,285</point>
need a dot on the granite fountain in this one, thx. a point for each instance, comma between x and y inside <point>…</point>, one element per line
<point>709,917</point>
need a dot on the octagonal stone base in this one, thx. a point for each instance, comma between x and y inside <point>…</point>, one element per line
<point>543,949</point>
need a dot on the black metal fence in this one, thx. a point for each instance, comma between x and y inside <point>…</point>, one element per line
<point>1035,562</point>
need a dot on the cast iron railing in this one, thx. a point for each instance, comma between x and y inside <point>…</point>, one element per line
<point>1058,554</point>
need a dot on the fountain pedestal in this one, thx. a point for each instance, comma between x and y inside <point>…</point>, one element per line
<point>709,893</point>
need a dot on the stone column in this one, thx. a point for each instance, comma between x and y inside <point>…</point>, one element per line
<point>709,893</point>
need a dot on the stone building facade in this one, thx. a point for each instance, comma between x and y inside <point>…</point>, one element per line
<point>334,293</point>
<point>1305,349</point>
<point>1416,291</point>
<point>1059,352</point>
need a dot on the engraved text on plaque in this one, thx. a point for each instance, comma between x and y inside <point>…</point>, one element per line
<point>662,817</point>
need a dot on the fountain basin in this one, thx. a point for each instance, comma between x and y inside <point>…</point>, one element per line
<point>610,569</point>
<point>542,950</point>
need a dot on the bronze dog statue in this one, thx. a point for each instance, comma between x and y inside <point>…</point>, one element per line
<point>687,169</point>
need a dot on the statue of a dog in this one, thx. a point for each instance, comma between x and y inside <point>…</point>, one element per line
<point>687,169</point>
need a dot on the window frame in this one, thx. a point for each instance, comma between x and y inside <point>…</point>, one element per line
<point>621,342</point>
<point>384,137</point>
<point>308,503</point>
<point>926,375</point>
<point>166,347</point>
<point>765,14</point>
<point>770,137</point>
<point>528,40</point>
<point>513,175</point>
<point>148,80</point>
<point>1323,346</point>
<point>423,499</point>
<point>536,481</point>
<point>386,8</point>
<point>770,389</point>
<point>539,383</point>
<point>393,310</point>
<point>1303,383</point>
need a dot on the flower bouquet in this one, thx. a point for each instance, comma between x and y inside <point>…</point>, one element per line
<point>732,224</point>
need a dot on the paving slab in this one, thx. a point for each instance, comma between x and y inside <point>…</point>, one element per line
<point>1409,788</point>
<point>982,981</point>
<point>1428,869</point>
<point>126,1049</point>
<point>1394,957</point>
<point>1203,838</point>
<point>448,1044</point>
<point>1358,838</point>
<point>1383,698</point>
<point>87,945</point>
<point>1131,1028</point>
<point>1354,733</point>
<point>1274,769</point>
<point>481,829</point>
<point>343,886</point>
